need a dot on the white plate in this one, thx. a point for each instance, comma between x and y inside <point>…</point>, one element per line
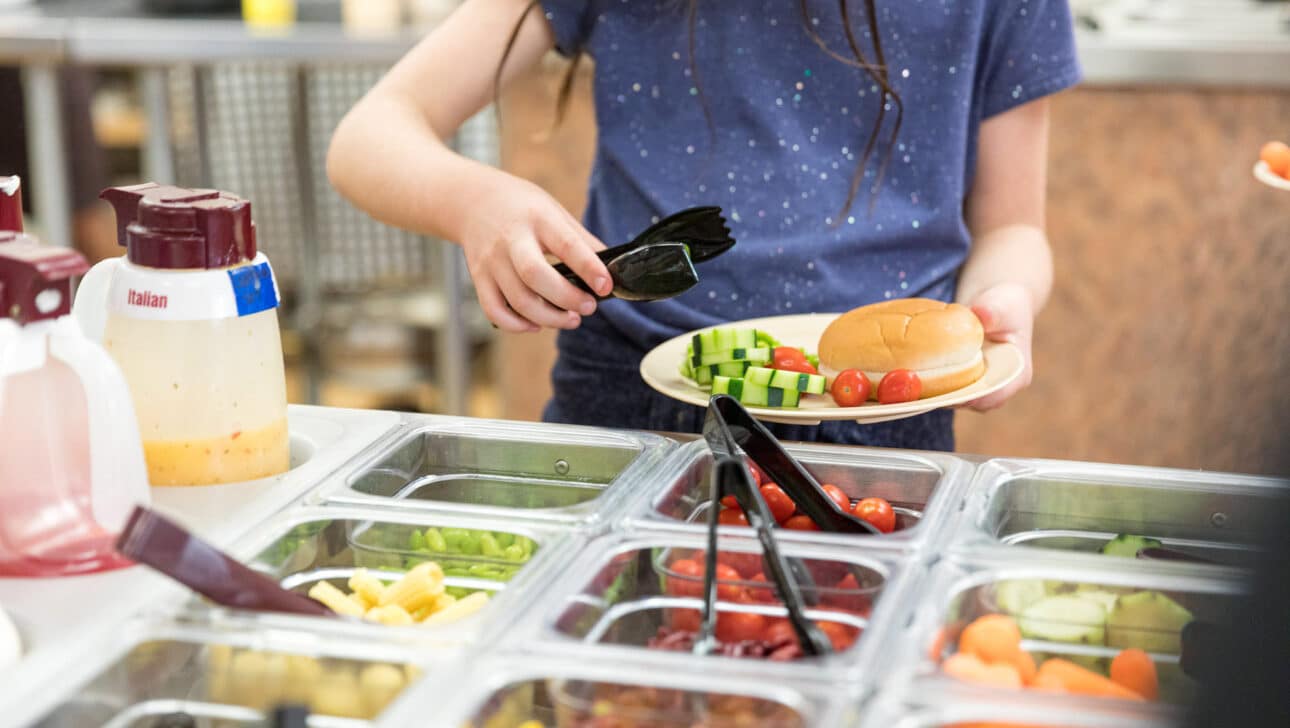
<point>661,370</point>
<point>1264,174</point>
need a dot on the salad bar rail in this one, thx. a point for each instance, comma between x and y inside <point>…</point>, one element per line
<point>579,538</point>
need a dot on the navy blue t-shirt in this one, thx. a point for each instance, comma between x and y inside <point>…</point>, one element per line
<point>789,124</point>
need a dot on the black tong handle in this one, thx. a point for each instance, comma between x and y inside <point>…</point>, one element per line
<point>731,477</point>
<point>729,427</point>
<point>703,229</point>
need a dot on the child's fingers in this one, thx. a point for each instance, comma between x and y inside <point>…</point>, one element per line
<point>541,277</point>
<point>529,304</point>
<point>576,247</point>
<point>497,310</point>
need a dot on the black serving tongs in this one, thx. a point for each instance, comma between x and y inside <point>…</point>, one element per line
<point>658,263</point>
<point>730,428</point>
<point>731,477</point>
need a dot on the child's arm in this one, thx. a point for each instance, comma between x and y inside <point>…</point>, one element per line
<point>389,158</point>
<point>1009,272</point>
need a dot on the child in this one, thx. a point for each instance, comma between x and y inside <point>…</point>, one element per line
<point>861,150</point>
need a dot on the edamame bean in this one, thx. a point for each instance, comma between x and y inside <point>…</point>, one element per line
<point>488,546</point>
<point>504,539</point>
<point>514,552</point>
<point>435,541</point>
<point>416,542</point>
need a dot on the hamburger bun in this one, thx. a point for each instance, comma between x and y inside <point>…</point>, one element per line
<point>940,342</point>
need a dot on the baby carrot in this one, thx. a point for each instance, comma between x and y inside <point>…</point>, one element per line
<point>993,638</point>
<point>1025,666</point>
<point>1076,679</point>
<point>1133,669</point>
<point>970,668</point>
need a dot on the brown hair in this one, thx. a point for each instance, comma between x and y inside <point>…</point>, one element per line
<point>876,70</point>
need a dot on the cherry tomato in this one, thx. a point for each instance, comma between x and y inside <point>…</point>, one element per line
<point>851,388</point>
<point>842,636</point>
<point>742,562</point>
<point>781,506</point>
<point>836,495</point>
<point>801,523</point>
<point>758,476</point>
<point>764,592</point>
<point>732,517</point>
<point>899,385</point>
<point>780,631</point>
<point>847,595</point>
<point>684,620</point>
<point>725,589</point>
<point>740,626</point>
<point>792,360</point>
<point>878,512</point>
<point>1277,156</point>
<point>686,579</point>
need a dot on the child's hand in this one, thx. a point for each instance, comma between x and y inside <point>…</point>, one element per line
<point>1007,312</point>
<point>506,241</point>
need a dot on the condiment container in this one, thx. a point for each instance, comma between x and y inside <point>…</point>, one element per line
<point>190,315</point>
<point>71,464</point>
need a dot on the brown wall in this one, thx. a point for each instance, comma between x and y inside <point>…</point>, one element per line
<point>1165,342</point>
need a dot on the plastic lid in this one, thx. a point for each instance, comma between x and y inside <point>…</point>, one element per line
<point>10,204</point>
<point>178,228</point>
<point>36,281</point>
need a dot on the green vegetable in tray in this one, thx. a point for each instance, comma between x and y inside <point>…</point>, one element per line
<point>1128,546</point>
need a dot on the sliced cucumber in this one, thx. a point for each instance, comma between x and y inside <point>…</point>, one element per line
<point>1013,597</point>
<point>723,339</point>
<point>756,395</point>
<point>808,383</point>
<point>708,358</point>
<point>765,339</point>
<point>1128,546</point>
<point>1149,621</point>
<point>1067,619</point>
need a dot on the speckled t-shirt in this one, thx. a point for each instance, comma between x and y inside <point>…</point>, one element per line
<point>789,124</point>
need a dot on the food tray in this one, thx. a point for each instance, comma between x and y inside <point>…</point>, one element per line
<point>957,593</point>
<point>614,599</point>
<point>533,472</point>
<point>311,544</point>
<point>925,489</point>
<point>1078,507</point>
<point>505,690</point>
<point>231,676</point>
<point>954,707</point>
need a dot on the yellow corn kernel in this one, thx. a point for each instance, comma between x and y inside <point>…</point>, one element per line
<point>335,599</point>
<point>417,589</point>
<point>531,724</point>
<point>391,615</point>
<point>366,587</point>
<point>460,609</point>
<point>379,685</point>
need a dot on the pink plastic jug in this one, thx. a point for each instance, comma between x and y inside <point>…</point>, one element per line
<point>71,462</point>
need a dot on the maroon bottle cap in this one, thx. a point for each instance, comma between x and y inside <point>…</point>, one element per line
<point>178,228</point>
<point>36,281</point>
<point>10,204</point>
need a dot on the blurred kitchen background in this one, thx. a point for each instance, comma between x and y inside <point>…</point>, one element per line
<point>1165,343</point>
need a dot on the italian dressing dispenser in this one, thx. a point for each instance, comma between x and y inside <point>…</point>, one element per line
<point>71,464</point>
<point>190,315</point>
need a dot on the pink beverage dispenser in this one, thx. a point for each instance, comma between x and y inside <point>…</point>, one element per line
<point>190,314</point>
<point>71,464</point>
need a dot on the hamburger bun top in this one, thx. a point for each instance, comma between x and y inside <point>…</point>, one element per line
<point>908,333</point>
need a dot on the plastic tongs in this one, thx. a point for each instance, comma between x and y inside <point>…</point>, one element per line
<point>729,428</point>
<point>167,547</point>
<point>659,263</point>
<point>731,477</point>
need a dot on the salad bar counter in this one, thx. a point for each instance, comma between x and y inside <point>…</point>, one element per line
<point>509,575</point>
